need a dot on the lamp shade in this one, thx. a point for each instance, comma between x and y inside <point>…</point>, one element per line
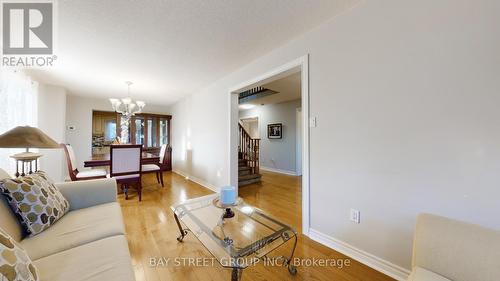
<point>26,137</point>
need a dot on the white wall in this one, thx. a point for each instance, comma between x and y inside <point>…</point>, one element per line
<point>79,114</point>
<point>52,120</point>
<point>407,99</point>
<point>277,154</point>
<point>199,135</point>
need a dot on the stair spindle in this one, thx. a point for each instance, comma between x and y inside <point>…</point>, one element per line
<point>249,150</point>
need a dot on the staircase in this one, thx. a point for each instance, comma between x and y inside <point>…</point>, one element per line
<point>245,175</point>
<point>248,159</point>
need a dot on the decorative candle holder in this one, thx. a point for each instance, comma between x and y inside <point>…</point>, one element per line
<point>228,213</point>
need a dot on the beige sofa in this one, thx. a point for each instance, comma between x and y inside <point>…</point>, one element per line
<point>88,243</point>
<point>446,249</point>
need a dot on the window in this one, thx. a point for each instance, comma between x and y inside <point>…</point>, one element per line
<point>163,131</point>
<point>110,130</point>
<point>139,130</point>
<point>18,107</point>
<point>150,130</point>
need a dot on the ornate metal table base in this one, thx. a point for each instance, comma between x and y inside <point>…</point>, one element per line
<point>183,231</point>
<point>236,274</point>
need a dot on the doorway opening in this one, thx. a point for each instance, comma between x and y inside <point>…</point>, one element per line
<point>269,140</point>
<point>251,125</point>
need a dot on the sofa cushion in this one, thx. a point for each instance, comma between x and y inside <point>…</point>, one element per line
<point>8,220</point>
<point>150,167</point>
<point>15,264</point>
<point>106,259</point>
<point>91,173</point>
<point>36,201</point>
<point>458,250</point>
<point>88,193</point>
<point>4,174</point>
<point>422,274</point>
<point>77,228</point>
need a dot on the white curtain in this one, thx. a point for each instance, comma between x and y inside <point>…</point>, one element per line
<point>18,107</point>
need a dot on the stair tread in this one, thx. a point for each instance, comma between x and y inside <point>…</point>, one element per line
<point>248,177</point>
<point>247,182</point>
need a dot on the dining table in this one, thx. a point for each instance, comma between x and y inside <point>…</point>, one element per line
<point>100,160</point>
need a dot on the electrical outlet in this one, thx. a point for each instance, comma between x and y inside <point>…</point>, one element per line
<point>355,216</point>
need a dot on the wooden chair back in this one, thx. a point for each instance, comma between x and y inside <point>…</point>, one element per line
<point>70,160</point>
<point>166,157</point>
<point>125,160</point>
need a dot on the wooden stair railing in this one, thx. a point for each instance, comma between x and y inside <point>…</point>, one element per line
<point>249,150</point>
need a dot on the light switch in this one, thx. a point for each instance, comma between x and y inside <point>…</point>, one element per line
<point>312,122</point>
<point>355,216</point>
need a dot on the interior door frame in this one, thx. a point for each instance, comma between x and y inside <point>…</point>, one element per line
<point>298,143</point>
<point>301,63</point>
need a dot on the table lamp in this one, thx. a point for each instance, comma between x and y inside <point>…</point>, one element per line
<point>26,137</point>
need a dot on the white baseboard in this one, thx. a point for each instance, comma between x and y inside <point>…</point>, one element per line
<point>197,180</point>
<point>388,268</point>
<point>280,171</point>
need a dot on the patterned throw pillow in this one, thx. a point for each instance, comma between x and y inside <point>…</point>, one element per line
<point>15,264</point>
<point>36,201</point>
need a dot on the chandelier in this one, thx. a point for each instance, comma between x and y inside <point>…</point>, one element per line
<point>127,108</point>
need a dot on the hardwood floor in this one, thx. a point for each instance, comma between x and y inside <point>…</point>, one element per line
<point>152,232</point>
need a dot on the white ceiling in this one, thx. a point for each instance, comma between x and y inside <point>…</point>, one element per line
<point>170,48</point>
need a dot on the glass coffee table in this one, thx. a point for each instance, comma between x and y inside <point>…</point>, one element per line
<point>237,236</point>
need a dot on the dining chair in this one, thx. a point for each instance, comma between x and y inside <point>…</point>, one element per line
<point>73,172</point>
<point>125,167</point>
<point>163,165</point>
